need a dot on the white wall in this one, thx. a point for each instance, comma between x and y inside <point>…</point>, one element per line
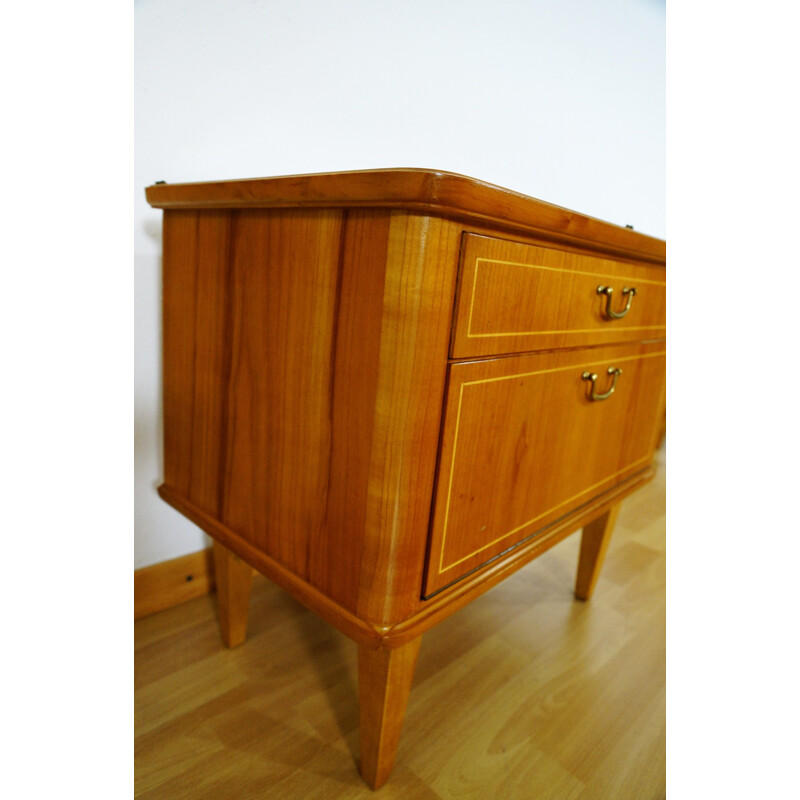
<point>563,100</point>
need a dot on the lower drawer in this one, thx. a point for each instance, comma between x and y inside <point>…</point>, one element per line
<point>524,443</point>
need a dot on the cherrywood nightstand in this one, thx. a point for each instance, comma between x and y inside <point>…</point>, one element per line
<point>388,390</point>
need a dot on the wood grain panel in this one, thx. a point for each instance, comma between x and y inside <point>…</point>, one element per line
<point>249,305</point>
<point>307,354</point>
<point>276,419</point>
<point>195,257</point>
<point>523,445</point>
<point>335,548</point>
<point>514,297</point>
<point>321,604</point>
<point>417,312</point>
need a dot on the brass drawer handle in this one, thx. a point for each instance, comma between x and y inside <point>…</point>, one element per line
<point>608,291</point>
<point>592,376</point>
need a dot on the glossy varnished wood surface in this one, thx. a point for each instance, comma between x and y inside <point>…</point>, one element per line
<point>524,693</point>
<point>595,539</point>
<point>514,297</point>
<point>419,190</point>
<point>307,326</point>
<point>305,355</point>
<point>384,684</point>
<point>234,578</point>
<point>249,302</point>
<point>428,612</point>
<point>411,372</point>
<point>522,445</point>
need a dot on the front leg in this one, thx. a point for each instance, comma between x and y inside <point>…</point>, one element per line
<point>234,578</point>
<point>384,683</point>
<point>594,543</point>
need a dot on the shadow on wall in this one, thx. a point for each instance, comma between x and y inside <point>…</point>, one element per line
<point>148,413</point>
<point>152,227</point>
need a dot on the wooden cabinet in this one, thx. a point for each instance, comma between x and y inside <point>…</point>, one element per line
<point>388,390</point>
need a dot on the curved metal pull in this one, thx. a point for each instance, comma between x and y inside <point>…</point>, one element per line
<point>592,376</point>
<point>608,291</point>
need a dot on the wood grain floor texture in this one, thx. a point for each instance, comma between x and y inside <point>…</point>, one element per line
<point>526,693</point>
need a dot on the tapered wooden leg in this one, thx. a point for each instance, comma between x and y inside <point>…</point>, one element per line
<point>594,543</point>
<point>234,578</point>
<point>384,683</point>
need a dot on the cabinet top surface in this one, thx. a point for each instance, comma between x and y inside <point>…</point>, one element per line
<point>423,190</point>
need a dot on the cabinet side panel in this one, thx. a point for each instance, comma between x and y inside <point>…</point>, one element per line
<point>305,361</point>
<point>276,433</point>
<point>417,311</point>
<point>196,245</point>
<point>335,550</point>
<point>177,297</point>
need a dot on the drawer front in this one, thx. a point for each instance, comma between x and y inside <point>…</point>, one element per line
<point>516,297</point>
<point>523,445</point>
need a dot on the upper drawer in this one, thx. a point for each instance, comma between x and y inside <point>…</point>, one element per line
<point>516,297</point>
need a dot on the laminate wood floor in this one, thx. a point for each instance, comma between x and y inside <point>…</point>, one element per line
<point>525,693</point>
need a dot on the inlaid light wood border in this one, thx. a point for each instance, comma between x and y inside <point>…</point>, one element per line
<point>442,568</point>
<point>625,278</point>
